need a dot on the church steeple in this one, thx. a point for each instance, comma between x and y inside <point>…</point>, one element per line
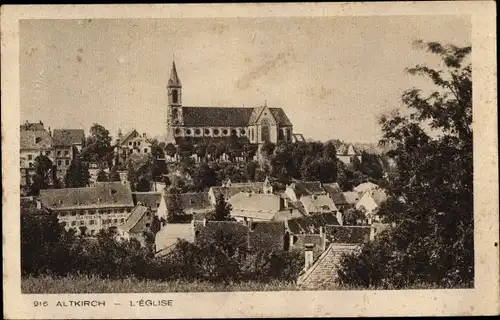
<point>174,78</point>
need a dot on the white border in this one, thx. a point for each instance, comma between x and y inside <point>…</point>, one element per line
<point>484,299</point>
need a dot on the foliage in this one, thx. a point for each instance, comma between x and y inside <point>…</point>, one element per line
<point>102,176</point>
<point>174,205</point>
<point>353,216</point>
<point>222,210</point>
<point>77,175</point>
<point>43,174</point>
<point>98,145</point>
<point>114,175</point>
<point>204,177</point>
<point>431,194</point>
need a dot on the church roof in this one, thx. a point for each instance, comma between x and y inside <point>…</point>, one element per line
<point>174,78</point>
<point>228,116</point>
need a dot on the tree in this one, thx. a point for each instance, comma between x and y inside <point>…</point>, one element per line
<point>322,169</point>
<point>431,194</point>
<point>102,176</point>
<point>98,145</point>
<point>174,205</point>
<point>204,177</point>
<point>43,174</point>
<point>267,148</point>
<point>353,216</point>
<point>77,175</point>
<point>114,175</point>
<point>170,149</point>
<point>222,210</point>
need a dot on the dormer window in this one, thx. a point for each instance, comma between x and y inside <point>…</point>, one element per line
<point>38,139</point>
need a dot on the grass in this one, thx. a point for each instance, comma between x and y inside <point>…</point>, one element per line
<point>85,284</point>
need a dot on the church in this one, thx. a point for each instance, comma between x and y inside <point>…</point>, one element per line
<point>255,125</point>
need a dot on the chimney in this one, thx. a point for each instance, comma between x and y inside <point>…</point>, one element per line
<point>322,234</point>
<point>309,258</point>
<point>291,241</point>
<point>372,233</point>
<point>204,222</point>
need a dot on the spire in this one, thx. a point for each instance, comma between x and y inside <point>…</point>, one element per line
<point>174,78</point>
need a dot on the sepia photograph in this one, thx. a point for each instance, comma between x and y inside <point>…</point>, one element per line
<point>245,154</point>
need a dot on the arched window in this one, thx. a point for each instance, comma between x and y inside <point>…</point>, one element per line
<point>175,114</point>
<point>281,136</point>
<point>242,132</point>
<point>207,132</point>
<point>197,131</point>
<point>225,132</point>
<point>265,131</point>
<point>175,96</point>
<point>216,132</point>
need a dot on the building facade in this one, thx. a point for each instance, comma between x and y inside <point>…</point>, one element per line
<point>130,144</point>
<point>108,204</point>
<point>255,125</point>
<point>35,140</point>
<point>67,144</point>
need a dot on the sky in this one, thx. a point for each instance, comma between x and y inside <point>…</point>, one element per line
<point>333,76</point>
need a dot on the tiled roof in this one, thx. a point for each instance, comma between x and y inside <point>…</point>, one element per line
<point>280,117</point>
<point>36,139</point>
<point>318,203</point>
<point>192,201</point>
<point>323,271</point>
<point>255,205</point>
<point>332,187</point>
<point>236,188</point>
<point>365,186</point>
<point>303,188</point>
<point>228,116</point>
<point>147,199</point>
<point>171,232</point>
<point>379,196</point>
<point>345,198</point>
<point>111,194</point>
<point>133,218</point>
<point>216,116</point>
<point>311,223</point>
<point>29,206</point>
<point>285,214</point>
<point>68,137</point>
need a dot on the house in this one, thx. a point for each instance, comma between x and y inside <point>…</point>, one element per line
<point>229,189</point>
<point>369,203</point>
<point>138,222</point>
<point>255,206</point>
<point>345,200</point>
<point>192,203</point>
<point>67,143</point>
<point>318,203</point>
<point>332,187</point>
<point>365,186</point>
<point>34,141</point>
<point>297,189</point>
<point>150,200</point>
<point>169,234</point>
<point>32,206</point>
<point>131,143</point>
<point>346,153</point>
<point>105,205</point>
<point>321,272</point>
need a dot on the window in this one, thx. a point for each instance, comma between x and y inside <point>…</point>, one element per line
<point>281,135</point>
<point>146,150</point>
<point>82,223</point>
<point>73,213</point>
<point>148,214</point>
<point>59,162</point>
<point>81,213</point>
<point>30,157</point>
<point>38,139</point>
<point>207,131</point>
<point>92,222</point>
<point>138,143</point>
<point>47,153</point>
<point>188,131</point>
<point>147,225</point>
<point>73,223</point>
<point>233,132</point>
<point>66,153</point>
<point>157,204</point>
<point>216,132</point>
<point>177,131</point>
<point>66,162</point>
<point>224,132</point>
<point>62,214</point>
<point>59,153</point>
<point>197,131</point>
<point>115,220</point>
<point>92,232</point>
<point>243,132</point>
<point>63,224</point>
<point>122,220</point>
<point>175,96</point>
